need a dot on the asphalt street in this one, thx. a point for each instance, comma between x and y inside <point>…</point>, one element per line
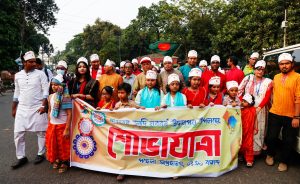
<point>43,173</point>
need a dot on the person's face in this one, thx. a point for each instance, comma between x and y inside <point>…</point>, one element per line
<point>203,67</point>
<point>168,66</point>
<point>60,67</point>
<point>146,66</point>
<point>244,103</point>
<point>30,64</point>
<point>252,61</point>
<point>39,66</point>
<point>192,61</point>
<point>229,62</point>
<point>285,66</point>
<point>122,94</point>
<point>215,65</point>
<point>259,72</point>
<point>107,68</point>
<point>215,89</point>
<point>95,64</point>
<point>174,86</point>
<point>105,96</point>
<point>82,69</point>
<point>128,68</point>
<point>150,83</point>
<point>54,86</point>
<point>135,66</point>
<point>122,68</point>
<point>195,82</point>
<point>232,92</point>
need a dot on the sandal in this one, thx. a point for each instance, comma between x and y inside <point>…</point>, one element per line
<point>249,164</point>
<point>63,168</point>
<point>56,164</point>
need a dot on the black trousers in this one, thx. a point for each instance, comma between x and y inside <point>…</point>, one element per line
<point>275,124</point>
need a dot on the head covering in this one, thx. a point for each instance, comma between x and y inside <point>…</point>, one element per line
<point>122,63</point>
<point>203,63</point>
<point>145,59</point>
<point>153,63</point>
<point>151,74</point>
<point>58,79</point>
<point>29,55</point>
<point>215,58</point>
<point>173,77</point>
<point>192,53</point>
<point>135,61</point>
<point>260,63</point>
<point>248,98</point>
<point>109,63</point>
<point>167,59</point>
<point>94,57</point>
<point>214,81</point>
<point>195,72</point>
<point>62,63</point>
<point>254,55</point>
<point>285,56</point>
<point>231,84</point>
<point>83,59</point>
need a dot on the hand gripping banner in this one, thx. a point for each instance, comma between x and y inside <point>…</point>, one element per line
<point>170,142</point>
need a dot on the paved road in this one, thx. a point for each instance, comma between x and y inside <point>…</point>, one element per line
<point>43,173</point>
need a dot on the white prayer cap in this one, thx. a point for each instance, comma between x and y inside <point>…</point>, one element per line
<point>145,59</point>
<point>192,53</point>
<point>195,72</point>
<point>122,63</point>
<point>167,59</point>
<point>248,98</point>
<point>203,63</point>
<point>173,77</point>
<point>94,57</point>
<point>109,63</point>
<point>254,55</point>
<point>62,63</point>
<point>29,55</point>
<point>285,56</point>
<point>83,59</point>
<point>214,80</point>
<point>153,63</point>
<point>135,61</point>
<point>231,84</point>
<point>260,63</point>
<point>151,74</point>
<point>58,79</point>
<point>215,58</point>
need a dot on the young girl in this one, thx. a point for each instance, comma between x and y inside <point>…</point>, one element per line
<point>214,97</point>
<point>106,102</point>
<point>249,125</point>
<point>57,134</point>
<point>232,98</point>
<point>174,98</point>
<point>150,96</point>
<point>194,93</point>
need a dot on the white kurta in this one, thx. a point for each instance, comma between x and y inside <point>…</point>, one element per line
<point>30,90</point>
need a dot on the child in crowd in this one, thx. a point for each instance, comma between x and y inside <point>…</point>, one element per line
<point>106,102</point>
<point>59,116</point>
<point>214,97</point>
<point>249,125</point>
<point>174,98</point>
<point>150,96</point>
<point>231,98</point>
<point>194,93</point>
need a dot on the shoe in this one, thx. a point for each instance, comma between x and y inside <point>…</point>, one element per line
<point>175,177</point>
<point>19,163</point>
<point>282,167</point>
<point>269,160</point>
<point>120,177</point>
<point>249,164</point>
<point>38,159</point>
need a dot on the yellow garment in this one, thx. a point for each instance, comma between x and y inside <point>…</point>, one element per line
<point>113,80</point>
<point>140,82</point>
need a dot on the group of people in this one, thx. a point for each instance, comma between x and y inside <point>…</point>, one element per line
<point>191,85</point>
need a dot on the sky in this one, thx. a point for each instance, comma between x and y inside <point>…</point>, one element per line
<point>74,15</point>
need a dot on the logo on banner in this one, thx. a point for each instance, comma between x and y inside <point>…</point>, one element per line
<point>84,146</point>
<point>98,118</point>
<point>85,126</point>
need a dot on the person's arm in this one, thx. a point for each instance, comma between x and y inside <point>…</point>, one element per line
<point>15,99</point>
<point>138,97</point>
<point>266,99</point>
<point>45,91</point>
<point>66,133</point>
<point>49,107</point>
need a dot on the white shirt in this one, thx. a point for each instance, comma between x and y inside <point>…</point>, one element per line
<point>62,116</point>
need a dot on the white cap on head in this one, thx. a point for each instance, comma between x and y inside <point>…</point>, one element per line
<point>62,63</point>
<point>195,72</point>
<point>153,63</point>
<point>83,59</point>
<point>231,84</point>
<point>285,56</point>
<point>135,61</point>
<point>248,98</point>
<point>167,59</point>
<point>109,63</point>
<point>173,77</point>
<point>29,55</point>
<point>94,57</point>
<point>254,55</point>
<point>145,59</point>
<point>122,63</point>
<point>192,53</point>
<point>203,63</point>
<point>215,58</point>
<point>58,79</point>
<point>151,74</point>
<point>214,80</point>
<point>260,63</point>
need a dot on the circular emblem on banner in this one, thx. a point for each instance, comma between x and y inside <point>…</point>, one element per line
<point>85,126</point>
<point>84,146</point>
<point>98,118</point>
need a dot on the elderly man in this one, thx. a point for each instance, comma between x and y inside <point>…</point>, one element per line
<point>96,69</point>
<point>191,63</point>
<point>234,73</point>
<point>136,69</point>
<point>249,67</point>
<point>140,80</point>
<point>129,77</point>
<point>28,108</point>
<point>168,70</point>
<point>285,112</point>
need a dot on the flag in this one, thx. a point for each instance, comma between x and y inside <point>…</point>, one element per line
<point>164,48</point>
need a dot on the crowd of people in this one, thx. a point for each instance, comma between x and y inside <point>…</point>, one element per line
<point>42,103</point>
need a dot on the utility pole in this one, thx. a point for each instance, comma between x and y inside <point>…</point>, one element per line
<point>284,26</point>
